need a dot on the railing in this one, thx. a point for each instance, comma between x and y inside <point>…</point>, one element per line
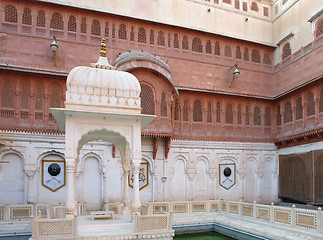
<point>292,216</point>
<point>48,228</point>
<point>156,222</point>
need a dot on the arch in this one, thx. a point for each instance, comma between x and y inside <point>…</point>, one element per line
<point>185,110</point>
<point>208,47</point>
<point>228,159</point>
<point>279,117</point>
<point>238,52</point>
<point>10,151</point>
<point>71,23</point>
<point>41,19</point>
<point>288,114</point>
<point>227,51</point>
<point>185,43</point>
<point>8,94</point>
<point>218,111</point>
<point>161,38</point>
<point>228,114</point>
<point>10,13</point>
<point>179,181</point>
<point>247,115</point>
<point>142,35</point>
<point>89,155</point>
<point>55,96</point>
<point>254,6</point>
<point>95,27</point>
<point>25,94</point>
<point>147,96</point>
<point>299,108</point>
<point>255,56</point>
<point>319,28</point>
<point>204,159</point>
<point>197,45</point>
<point>197,111</point>
<point>46,154</point>
<point>176,41</point>
<point>268,181</point>
<point>246,54</point>
<point>310,104</point>
<point>209,112</point>
<point>239,114</point>
<point>201,180</point>
<point>122,34</point>
<point>83,25</point>
<point>56,21</point>
<point>39,96</point>
<point>163,105</point>
<point>26,16</point>
<point>250,184</point>
<point>152,37</point>
<point>266,59</point>
<point>257,116</point>
<point>217,50</point>
<point>286,52</point>
<point>176,110</point>
<point>136,59</point>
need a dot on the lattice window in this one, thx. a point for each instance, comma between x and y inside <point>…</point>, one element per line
<point>196,45</point>
<point>122,34</point>
<point>208,47</point>
<point>267,116</point>
<point>197,111</point>
<point>279,117</point>
<point>245,6</point>
<point>56,22</point>
<point>161,38</point>
<point>247,115</point>
<point>310,107</point>
<point>10,13</point>
<point>266,12</point>
<point>132,34</point>
<point>288,114</point>
<point>142,35</point>
<point>72,24</point>
<point>163,105</point>
<point>218,112</point>
<point>227,51</point>
<point>84,27</point>
<point>24,99</point>
<point>246,54</point>
<point>209,112</point>
<point>254,7</point>
<point>113,31</point>
<point>237,4</point>
<point>185,110</point>
<point>168,40</point>
<point>55,96</point>
<point>7,94</point>
<point>255,56</point>
<point>238,53</point>
<point>26,16</point>
<point>228,114</point>
<point>41,20</point>
<point>217,50</point>
<point>39,96</point>
<point>227,1</point>
<point>95,27</point>
<point>321,101</point>
<point>152,37</point>
<point>239,114</point>
<point>299,108</point>
<point>106,29</point>
<point>147,100</point>
<point>267,59</point>
<point>185,43</point>
<point>319,28</point>
<point>256,116</point>
<point>176,110</point>
<point>286,50</point>
<point>176,41</point>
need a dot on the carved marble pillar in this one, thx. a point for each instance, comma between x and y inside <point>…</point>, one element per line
<point>259,185</point>
<point>70,179</point>
<point>30,190</point>
<point>242,174</point>
<point>104,186</point>
<point>212,174</point>
<point>126,198</point>
<point>191,176</point>
<point>136,204</point>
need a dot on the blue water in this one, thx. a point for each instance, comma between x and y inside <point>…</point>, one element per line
<point>202,236</point>
<point>17,237</point>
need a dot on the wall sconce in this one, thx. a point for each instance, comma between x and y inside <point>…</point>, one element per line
<point>231,75</point>
<point>54,45</point>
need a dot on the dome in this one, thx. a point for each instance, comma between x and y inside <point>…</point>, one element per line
<point>101,88</point>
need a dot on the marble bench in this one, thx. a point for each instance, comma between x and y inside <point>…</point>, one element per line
<point>102,214</point>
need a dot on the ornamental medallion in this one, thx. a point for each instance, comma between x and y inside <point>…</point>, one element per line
<point>227,176</point>
<point>53,174</point>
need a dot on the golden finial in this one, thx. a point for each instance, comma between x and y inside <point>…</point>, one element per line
<point>103,51</point>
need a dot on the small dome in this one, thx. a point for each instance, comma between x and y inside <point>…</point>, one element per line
<point>100,88</point>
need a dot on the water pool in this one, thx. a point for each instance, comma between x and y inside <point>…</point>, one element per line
<point>202,236</point>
